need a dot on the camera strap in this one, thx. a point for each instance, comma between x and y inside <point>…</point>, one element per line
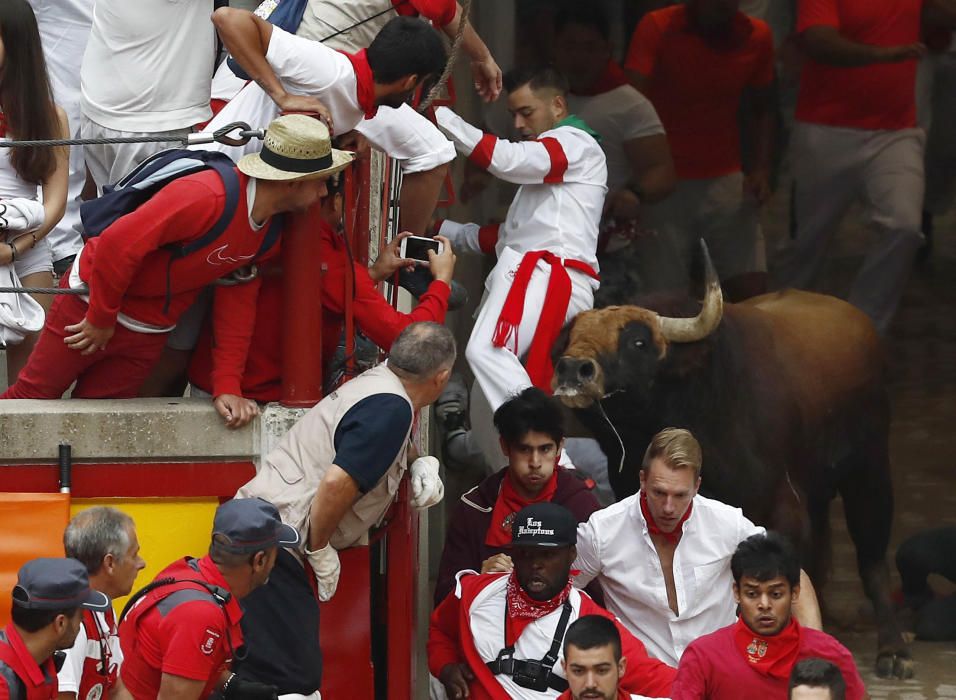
<point>505,663</point>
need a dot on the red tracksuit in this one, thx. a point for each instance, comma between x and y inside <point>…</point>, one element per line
<point>128,271</point>
<point>262,378</point>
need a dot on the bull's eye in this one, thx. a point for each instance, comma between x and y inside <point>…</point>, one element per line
<point>638,343</point>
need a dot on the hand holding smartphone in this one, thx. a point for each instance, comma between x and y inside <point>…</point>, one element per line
<point>417,247</point>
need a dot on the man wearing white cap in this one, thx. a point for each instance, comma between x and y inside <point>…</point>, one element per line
<point>46,617</point>
<point>107,340</point>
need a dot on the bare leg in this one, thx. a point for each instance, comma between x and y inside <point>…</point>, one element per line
<point>419,197</point>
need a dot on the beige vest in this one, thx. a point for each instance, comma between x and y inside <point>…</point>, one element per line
<point>291,474</point>
<point>322,18</point>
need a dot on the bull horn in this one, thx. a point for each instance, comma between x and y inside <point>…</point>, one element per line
<point>688,330</point>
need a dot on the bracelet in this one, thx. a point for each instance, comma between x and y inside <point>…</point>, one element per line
<point>13,252</point>
<point>33,235</point>
<point>225,686</point>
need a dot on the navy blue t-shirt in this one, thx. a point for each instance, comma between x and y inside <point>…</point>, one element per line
<point>370,435</point>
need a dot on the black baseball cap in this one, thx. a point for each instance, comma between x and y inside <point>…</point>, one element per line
<point>251,525</point>
<point>56,584</point>
<point>544,525</point>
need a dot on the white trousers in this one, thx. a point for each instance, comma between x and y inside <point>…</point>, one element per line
<point>832,168</point>
<point>110,162</point>
<point>717,210</point>
<point>498,371</point>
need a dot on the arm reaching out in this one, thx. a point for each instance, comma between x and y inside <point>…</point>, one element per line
<point>523,163</point>
<point>247,38</point>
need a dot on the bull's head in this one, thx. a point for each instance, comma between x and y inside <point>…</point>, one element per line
<point>617,347</point>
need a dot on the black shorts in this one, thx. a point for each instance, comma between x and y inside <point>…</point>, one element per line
<point>280,625</point>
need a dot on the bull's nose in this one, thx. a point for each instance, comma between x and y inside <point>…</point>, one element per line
<point>570,369</point>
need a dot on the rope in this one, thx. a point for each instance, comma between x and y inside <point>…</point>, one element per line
<point>43,290</point>
<point>235,134</point>
<point>452,57</point>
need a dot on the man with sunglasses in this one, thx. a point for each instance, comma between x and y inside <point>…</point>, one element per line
<point>104,540</point>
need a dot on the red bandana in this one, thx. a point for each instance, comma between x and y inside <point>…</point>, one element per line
<point>364,82</point>
<point>3,125</point>
<point>523,609</point>
<point>652,527</point>
<point>613,77</point>
<point>769,656</point>
<point>510,502</point>
<point>558,295</point>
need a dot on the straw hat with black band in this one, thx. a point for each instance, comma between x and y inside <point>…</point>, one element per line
<point>295,147</point>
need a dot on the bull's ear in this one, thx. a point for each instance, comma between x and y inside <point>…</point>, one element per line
<point>561,343</point>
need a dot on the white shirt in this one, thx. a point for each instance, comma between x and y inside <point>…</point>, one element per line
<point>486,615</point>
<point>148,64</point>
<point>307,67</point>
<point>618,115</point>
<point>614,547</point>
<point>304,67</point>
<point>68,678</point>
<point>558,206</point>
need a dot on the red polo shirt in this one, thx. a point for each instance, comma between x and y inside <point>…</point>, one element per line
<point>877,96</point>
<point>17,666</point>
<point>180,630</point>
<point>712,667</point>
<point>696,87</point>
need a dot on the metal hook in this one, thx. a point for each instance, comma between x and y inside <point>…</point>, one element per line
<point>222,136</point>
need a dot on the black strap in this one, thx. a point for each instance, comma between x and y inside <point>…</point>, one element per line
<point>505,663</point>
<point>219,594</point>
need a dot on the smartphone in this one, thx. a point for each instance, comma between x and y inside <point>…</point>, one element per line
<point>417,247</point>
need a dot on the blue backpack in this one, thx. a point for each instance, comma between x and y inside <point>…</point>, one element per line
<point>150,176</point>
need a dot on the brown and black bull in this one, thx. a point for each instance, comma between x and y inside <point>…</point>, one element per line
<point>785,393</point>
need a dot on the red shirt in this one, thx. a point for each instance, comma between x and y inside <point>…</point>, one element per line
<point>127,269</point>
<point>696,88</point>
<point>262,377</point>
<point>18,668</point>
<point>877,96</point>
<point>178,629</point>
<point>451,639</point>
<point>713,668</point>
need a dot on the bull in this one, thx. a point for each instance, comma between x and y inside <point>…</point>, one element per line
<point>785,393</point>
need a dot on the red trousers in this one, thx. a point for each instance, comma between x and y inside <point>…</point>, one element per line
<point>116,372</point>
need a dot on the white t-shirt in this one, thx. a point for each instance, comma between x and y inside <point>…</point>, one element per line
<point>148,64</point>
<point>618,115</point>
<point>70,675</point>
<point>615,548</point>
<point>307,67</point>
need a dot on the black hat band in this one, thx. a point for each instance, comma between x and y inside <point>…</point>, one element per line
<point>294,165</point>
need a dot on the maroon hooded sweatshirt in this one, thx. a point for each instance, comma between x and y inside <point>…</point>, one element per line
<point>468,525</point>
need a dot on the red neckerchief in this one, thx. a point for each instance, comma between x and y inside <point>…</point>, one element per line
<point>510,502</point>
<point>364,82</point>
<point>653,528</point>
<point>523,609</point>
<point>613,77</point>
<point>3,125</point>
<point>558,296</point>
<point>769,656</point>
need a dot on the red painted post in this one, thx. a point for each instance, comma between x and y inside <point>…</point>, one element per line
<point>302,311</point>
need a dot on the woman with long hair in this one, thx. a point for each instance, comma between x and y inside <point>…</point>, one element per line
<point>27,111</point>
